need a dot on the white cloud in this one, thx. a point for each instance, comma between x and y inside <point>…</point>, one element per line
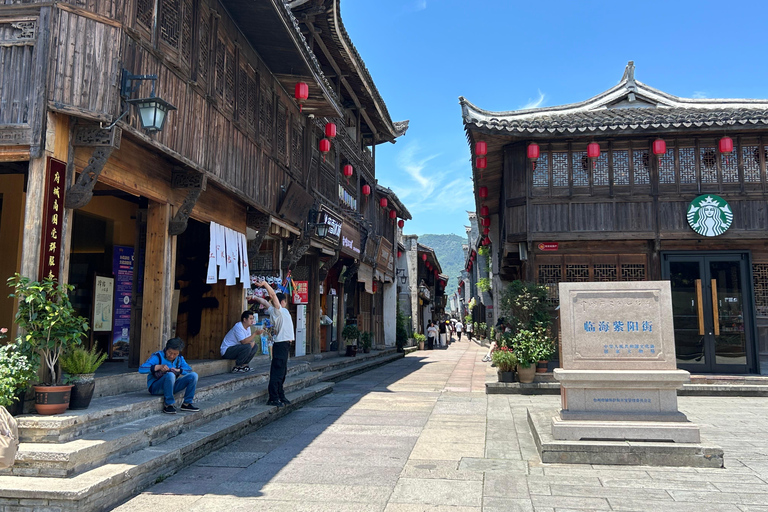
<point>535,103</point>
<point>415,6</point>
<point>700,94</point>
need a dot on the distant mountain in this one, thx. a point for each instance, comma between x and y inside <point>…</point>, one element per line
<point>449,254</point>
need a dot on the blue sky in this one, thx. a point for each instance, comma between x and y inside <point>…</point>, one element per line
<point>507,55</point>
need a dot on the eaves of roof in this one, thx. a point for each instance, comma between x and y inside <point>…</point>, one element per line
<point>399,206</point>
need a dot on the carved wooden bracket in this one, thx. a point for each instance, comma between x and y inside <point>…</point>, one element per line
<point>93,135</point>
<point>79,194</point>
<point>323,272</point>
<point>297,250</point>
<point>195,182</point>
<point>260,223</point>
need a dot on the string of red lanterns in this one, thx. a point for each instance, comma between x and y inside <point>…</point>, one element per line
<point>348,170</point>
<point>400,223</point>
<point>301,94</point>
<point>325,147</point>
<point>533,153</point>
<point>482,192</point>
<point>330,130</point>
<point>383,202</point>
<point>392,215</point>
<point>366,190</point>
<point>484,211</point>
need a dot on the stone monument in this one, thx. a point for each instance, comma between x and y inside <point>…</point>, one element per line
<point>619,381</point>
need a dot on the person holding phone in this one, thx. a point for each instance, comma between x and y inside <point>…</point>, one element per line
<point>168,373</point>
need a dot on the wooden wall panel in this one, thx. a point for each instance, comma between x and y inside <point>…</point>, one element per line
<point>754,215</point>
<point>634,216</point>
<point>592,217</point>
<point>549,217</point>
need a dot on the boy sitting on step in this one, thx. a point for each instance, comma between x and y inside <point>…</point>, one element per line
<point>169,373</point>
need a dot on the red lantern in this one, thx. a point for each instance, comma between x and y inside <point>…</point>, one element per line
<point>330,130</point>
<point>435,272</point>
<point>482,192</point>
<point>325,147</point>
<point>399,253</point>
<point>487,241</point>
<point>375,287</point>
<point>383,202</point>
<point>424,257</point>
<point>593,150</point>
<point>348,171</point>
<point>481,162</point>
<point>366,190</point>
<point>301,94</point>
<point>400,223</point>
<point>486,231</point>
<point>392,214</point>
<point>481,148</point>
<point>659,147</point>
<point>533,151</point>
<point>486,222</point>
<point>484,211</point>
<point>726,145</point>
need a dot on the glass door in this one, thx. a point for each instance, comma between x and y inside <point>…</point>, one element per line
<point>711,311</point>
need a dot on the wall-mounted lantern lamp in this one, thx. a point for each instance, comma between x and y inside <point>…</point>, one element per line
<point>321,228</point>
<point>401,274</point>
<point>152,110</point>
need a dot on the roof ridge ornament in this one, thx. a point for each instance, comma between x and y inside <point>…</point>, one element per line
<point>629,76</point>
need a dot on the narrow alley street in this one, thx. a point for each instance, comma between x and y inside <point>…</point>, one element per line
<point>421,434</point>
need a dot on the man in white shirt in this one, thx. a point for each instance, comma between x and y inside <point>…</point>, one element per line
<point>459,327</point>
<point>278,311</point>
<point>240,344</point>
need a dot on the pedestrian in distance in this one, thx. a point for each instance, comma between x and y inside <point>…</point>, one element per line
<point>431,335</point>
<point>459,328</point>
<point>283,327</point>
<point>240,343</point>
<point>443,333</point>
<point>168,373</point>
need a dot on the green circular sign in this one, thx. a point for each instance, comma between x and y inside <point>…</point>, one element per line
<point>709,215</point>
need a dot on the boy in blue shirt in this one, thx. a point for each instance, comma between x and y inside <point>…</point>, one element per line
<point>169,373</point>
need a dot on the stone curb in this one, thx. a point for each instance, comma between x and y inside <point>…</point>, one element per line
<point>361,367</point>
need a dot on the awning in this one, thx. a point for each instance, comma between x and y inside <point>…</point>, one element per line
<point>365,275</point>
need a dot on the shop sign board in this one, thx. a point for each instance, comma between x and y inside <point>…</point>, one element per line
<point>384,260</point>
<point>334,223</point>
<point>103,299</point>
<point>350,241</point>
<point>296,205</point>
<point>122,269</point>
<point>50,252</point>
<point>301,292</point>
<point>709,215</point>
<point>548,246</point>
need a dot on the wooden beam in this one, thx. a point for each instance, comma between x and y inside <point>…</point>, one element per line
<point>158,262</point>
<point>14,153</point>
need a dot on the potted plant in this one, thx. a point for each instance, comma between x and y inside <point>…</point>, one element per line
<point>350,333</point>
<point>16,372</point>
<point>529,346</point>
<point>420,339</point>
<point>366,339</point>
<point>506,362</point>
<point>80,365</point>
<point>50,326</point>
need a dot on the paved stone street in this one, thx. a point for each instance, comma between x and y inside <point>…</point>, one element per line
<point>420,434</point>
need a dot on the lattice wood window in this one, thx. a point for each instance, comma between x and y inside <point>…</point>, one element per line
<point>204,49</point>
<point>760,283</point>
<point>550,276</point>
<point>708,163</point>
<point>253,106</point>
<point>750,156</point>
<point>266,116</point>
<point>328,184</point>
<point>541,173</point>
<point>687,158</point>
<point>296,145</point>
<point>242,95</point>
<point>144,13</point>
<point>667,166</point>
<point>560,169</point>
<point>605,272</point>
<point>600,171</point>
<point>621,167</point>
<point>282,128</point>
<point>229,82</point>
<point>580,168</point>
<point>586,268</point>
<point>577,273</point>
<point>262,259</point>
<point>633,272</point>
<point>641,167</point>
<point>729,165</point>
<point>175,24</point>
<point>220,66</point>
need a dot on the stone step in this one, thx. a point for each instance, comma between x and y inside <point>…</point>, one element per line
<point>119,409</point>
<point>336,363</point>
<point>357,367</point>
<point>109,484</point>
<point>74,457</point>
<point>553,388</point>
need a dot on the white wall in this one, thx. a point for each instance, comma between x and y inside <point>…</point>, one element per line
<point>390,319</point>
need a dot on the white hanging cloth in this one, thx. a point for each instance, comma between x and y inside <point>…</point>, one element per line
<point>245,271</point>
<point>211,276</point>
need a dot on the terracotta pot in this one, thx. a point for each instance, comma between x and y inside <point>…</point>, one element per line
<point>421,345</point>
<point>52,399</point>
<point>506,376</point>
<point>541,367</point>
<point>526,375</point>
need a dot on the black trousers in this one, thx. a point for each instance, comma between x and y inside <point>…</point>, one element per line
<point>278,369</point>
<point>241,353</point>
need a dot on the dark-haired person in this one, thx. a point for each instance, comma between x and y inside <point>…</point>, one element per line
<point>240,344</point>
<point>284,335</point>
<point>169,373</point>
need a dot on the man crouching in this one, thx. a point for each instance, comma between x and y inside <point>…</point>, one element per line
<point>169,373</point>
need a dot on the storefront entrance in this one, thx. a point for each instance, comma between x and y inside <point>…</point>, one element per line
<point>713,309</point>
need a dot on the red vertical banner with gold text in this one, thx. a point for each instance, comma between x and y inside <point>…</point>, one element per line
<point>53,209</point>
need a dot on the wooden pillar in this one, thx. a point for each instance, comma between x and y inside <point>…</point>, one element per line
<point>33,218</point>
<point>159,263</point>
<point>313,311</point>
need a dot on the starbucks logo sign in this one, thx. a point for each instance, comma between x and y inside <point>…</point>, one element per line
<point>709,215</point>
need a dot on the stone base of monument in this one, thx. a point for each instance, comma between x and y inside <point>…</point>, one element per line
<point>622,405</point>
<point>639,453</point>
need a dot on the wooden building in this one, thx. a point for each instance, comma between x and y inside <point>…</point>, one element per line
<point>618,191</point>
<point>240,150</point>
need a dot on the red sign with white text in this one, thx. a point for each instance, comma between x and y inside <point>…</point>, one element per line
<point>548,246</point>
<point>301,292</point>
<point>50,251</point>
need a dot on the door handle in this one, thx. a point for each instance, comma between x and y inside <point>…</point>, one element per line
<point>715,309</point>
<point>700,307</point>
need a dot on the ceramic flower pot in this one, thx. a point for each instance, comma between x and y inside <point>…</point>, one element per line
<point>82,391</point>
<point>52,399</point>
<point>526,375</point>
<point>541,366</point>
<point>506,376</point>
